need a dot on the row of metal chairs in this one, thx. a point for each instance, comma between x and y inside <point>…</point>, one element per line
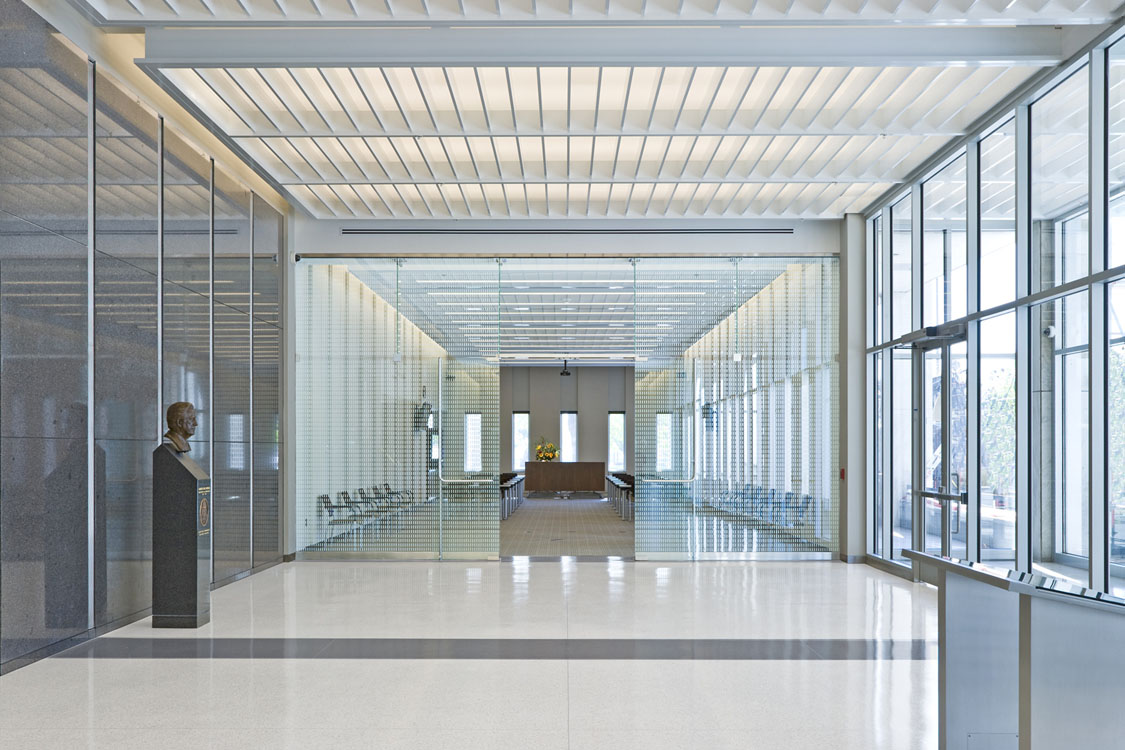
<point>511,494</point>
<point>619,492</point>
<point>786,509</point>
<point>382,506</point>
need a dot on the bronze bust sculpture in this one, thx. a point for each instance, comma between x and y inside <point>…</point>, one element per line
<point>181,425</point>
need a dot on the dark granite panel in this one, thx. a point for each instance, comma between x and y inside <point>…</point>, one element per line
<point>181,570</point>
<point>187,214</point>
<point>126,169</point>
<point>267,515</point>
<point>233,242</point>
<point>42,336</point>
<point>268,250</point>
<point>43,543</point>
<point>125,337</point>
<point>231,525</point>
<point>187,364</point>
<point>42,124</point>
<point>124,496</point>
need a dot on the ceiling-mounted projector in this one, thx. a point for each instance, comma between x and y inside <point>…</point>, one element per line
<point>565,372</point>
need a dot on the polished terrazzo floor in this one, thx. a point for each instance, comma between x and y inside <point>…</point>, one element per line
<point>584,524</point>
<point>508,655</point>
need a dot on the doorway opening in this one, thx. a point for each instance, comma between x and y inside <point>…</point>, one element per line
<point>692,403</point>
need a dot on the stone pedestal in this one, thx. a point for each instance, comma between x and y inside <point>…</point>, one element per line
<point>181,541</point>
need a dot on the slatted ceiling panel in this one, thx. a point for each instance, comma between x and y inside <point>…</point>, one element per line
<point>328,11</point>
<point>432,134</point>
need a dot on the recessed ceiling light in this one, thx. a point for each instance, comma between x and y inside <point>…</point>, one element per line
<point>521,325</point>
<point>616,287</point>
<point>568,325</point>
<point>522,308</point>
<point>473,309</point>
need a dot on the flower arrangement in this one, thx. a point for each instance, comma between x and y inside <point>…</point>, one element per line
<point>545,451</point>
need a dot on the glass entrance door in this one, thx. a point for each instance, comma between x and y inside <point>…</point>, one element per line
<point>941,448</point>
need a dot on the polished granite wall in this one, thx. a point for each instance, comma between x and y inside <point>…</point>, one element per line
<point>76,537</point>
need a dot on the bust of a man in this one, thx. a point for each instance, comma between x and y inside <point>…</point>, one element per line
<point>181,425</point>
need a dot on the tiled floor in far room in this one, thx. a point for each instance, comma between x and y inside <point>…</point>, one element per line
<point>515,654</point>
<point>584,524</point>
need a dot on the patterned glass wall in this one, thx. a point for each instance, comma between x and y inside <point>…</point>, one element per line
<point>398,398</point>
<point>737,436</point>
<point>55,585</point>
<point>268,237</point>
<point>187,284</point>
<point>231,356</point>
<point>126,243</point>
<point>381,416</point>
<point>44,593</point>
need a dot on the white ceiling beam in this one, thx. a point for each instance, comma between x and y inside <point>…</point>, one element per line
<point>755,180</point>
<point>499,46</point>
<point>469,132</point>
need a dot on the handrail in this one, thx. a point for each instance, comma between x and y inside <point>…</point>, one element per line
<point>690,479</point>
<point>440,439</point>
<point>962,497</point>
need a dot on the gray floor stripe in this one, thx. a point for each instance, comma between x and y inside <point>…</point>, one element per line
<point>764,649</point>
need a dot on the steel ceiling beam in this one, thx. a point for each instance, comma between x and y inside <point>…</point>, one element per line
<point>636,46</point>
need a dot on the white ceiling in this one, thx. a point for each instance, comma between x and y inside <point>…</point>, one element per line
<point>492,11</point>
<point>772,109</point>
<point>617,142</point>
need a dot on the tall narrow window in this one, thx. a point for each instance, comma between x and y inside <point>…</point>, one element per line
<point>568,436</point>
<point>663,441</point>
<point>472,442</point>
<point>616,458</point>
<point>521,439</point>
<point>1060,176</point>
<point>902,260</point>
<point>998,216</point>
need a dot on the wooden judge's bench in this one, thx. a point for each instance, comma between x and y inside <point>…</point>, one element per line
<point>556,476</point>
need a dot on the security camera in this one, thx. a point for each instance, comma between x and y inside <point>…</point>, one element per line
<point>1049,332</point>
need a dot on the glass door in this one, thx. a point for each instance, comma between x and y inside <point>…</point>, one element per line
<point>941,447</point>
<point>398,408</point>
<point>463,476</point>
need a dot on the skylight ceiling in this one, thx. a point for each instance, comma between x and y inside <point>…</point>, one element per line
<point>493,11</point>
<point>590,142</point>
<point>754,110</point>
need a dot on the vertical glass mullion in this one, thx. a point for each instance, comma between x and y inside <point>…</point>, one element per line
<point>1024,282</point>
<point>972,370</point>
<point>916,257</point>
<point>1098,337</point>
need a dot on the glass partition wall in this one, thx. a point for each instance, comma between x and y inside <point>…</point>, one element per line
<point>1025,337</point>
<point>735,398</point>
